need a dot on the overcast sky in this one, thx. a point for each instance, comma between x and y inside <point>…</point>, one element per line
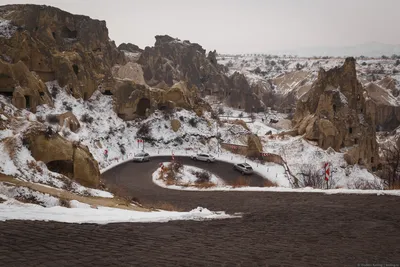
<point>243,26</point>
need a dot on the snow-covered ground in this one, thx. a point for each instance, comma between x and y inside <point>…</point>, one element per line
<point>6,29</point>
<point>185,178</point>
<point>82,213</point>
<point>257,67</point>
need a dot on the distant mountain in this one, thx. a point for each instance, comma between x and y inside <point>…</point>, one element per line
<point>372,49</point>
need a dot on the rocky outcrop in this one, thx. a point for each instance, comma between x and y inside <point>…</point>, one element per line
<point>384,104</point>
<point>69,120</point>
<point>65,157</point>
<point>56,45</point>
<point>254,146</point>
<point>289,89</point>
<point>130,71</point>
<point>134,100</point>
<point>175,125</point>
<point>26,89</point>
<point>172,60</point>
<point>129,48</point>
<point>335,114</point>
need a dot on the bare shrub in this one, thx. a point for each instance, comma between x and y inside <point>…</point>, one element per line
<point>54,91</point>
<point>64,203</point>
<point>10,144</point>
<point>53,119</point>
<point>176,166</point>
<point>202,176</point>
<point>2,200</point>
<point>34,166</point>
<point>310,178</point>
<point>29,199</point>
<point>367,185</point>
<point>144,131</point>
<point>193,122</point>
<point>68,185</point>
<point>86,118</point>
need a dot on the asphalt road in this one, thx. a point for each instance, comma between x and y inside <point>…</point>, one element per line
<point>277,229</point>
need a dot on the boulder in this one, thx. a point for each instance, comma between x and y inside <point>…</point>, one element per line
<point>130,71</point>
<point>254,146</point>
<point>334,113</point>
<point>69,120</point>
<point>175,124</point>
<point>65,157</point>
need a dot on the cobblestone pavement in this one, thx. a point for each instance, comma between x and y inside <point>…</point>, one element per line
<point>276,229</point>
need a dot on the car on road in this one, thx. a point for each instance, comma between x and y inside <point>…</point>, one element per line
<point>203,157</point>
<point>244,168</point>
<point>141,157</point>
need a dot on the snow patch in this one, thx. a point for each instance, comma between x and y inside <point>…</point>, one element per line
<point>102,215</point>
<point>6,29</point>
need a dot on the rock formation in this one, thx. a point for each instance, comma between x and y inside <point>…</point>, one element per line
<point>68,119</point>
<point>55,45</point>
<point>335,113</point>
<point>385,103</point>
<point>65,157</point>
<point>129,48</point>
<point>172,60</point>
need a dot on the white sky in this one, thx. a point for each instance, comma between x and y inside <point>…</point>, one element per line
<point>243,26</point>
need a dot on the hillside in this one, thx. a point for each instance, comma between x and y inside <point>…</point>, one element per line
<point>72,104</point>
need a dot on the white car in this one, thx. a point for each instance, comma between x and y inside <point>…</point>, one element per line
<point>203,157</point>
<point>244,168</point>
<point>141,157</point>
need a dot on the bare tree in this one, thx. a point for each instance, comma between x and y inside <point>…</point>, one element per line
<point>391,167</point>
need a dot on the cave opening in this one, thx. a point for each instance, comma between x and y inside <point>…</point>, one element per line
<point>27,101</point>
<point>108,92</point>
<point>64,167</point>
<point>142,106</point>
<point>67,33</point>
<point>75,68</point>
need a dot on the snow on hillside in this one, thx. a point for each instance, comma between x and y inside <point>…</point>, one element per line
<point>107,131</point>
<point>265,68</point>
<point>6,29</point>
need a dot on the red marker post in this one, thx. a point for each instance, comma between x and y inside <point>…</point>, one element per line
<point>327,174</point>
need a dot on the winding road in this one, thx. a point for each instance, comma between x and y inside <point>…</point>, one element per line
<point>277,229</point>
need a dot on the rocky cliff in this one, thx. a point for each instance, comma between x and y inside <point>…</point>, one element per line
<point>337,113</point>
<point>52,45</point>
<point>385,103</point>
<point>172,60</point>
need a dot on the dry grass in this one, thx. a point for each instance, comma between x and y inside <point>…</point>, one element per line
<point>395,187</point>
<point>10,144</point>
<point>29,199</point>
<point>204,185</point>
<point>64,203</point>
<point>268,183</point>
<point>164,206</point>
<point>241,182</point>
<point>33,166</point>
